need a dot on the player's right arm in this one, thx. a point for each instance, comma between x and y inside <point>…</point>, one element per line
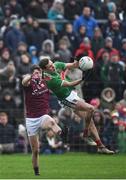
<point>71,84</point>
<point>26,80</point>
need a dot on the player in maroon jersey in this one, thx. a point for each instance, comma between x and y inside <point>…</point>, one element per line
<point>36,96</point>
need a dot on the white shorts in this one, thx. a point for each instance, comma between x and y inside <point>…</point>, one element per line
<point>34,124</point>
<point>71,100</point>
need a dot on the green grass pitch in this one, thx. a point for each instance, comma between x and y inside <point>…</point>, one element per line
<point>66,166</point>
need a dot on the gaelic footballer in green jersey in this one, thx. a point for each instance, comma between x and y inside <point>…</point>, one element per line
<point>64,90</point>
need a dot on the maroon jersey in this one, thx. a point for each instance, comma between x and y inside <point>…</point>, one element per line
<point>36,98</point>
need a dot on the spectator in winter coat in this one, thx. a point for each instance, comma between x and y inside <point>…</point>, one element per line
<point>56,12</point>
<point>37,35</point>
<point>14,36</point>
<point>48,49</point>
<point>7,135</point>
<point>87,20</point>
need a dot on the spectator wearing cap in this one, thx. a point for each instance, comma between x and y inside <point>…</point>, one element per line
<point>14,36</point>
<point>116,34</point>
<point>108,46</point>
<point>87,20</point>
<point>56,12</point>
<point>123,51</point>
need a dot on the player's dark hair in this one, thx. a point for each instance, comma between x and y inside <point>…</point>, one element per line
<point>34,66</point>
<point>43,62</point>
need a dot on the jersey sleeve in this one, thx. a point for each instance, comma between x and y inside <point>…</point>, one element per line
<point>60,65</point>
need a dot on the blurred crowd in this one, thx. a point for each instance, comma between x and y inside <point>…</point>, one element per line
<point>63,29</point>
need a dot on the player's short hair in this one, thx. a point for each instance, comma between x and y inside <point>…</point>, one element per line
<point>33,67</point>
<point>43,62</point>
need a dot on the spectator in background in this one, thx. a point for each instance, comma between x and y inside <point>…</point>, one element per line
<point>99,122</point>
<point>7,11</point>
<point>56,12</point>
<point>7,134</point>
<point>53,144</point>
<point>97,41</point>
<point>109,47</point>
<point>21,49</point>
<point>87,20</point>
<point>14,36</point>
<point>123,51</point>
<point>122,139</point>
<point>16,8</point>
<point>71,35</point>
<point>35,9</point>
<point>122,102</point>
<point>113,75</point>
<point>7,76</point>
<point>5,58</point>
<point>72,9</point>
<point>24,65</point>
<point>8,105</point>
<point>116,34</point>
<point>85,49</point>
<point>110,132</point>
<point>63,51</point>
<point>37,35</point>
<point>28,27</point>
<point>33,55</point>
<point>108,99</point>
<point>106,28</point>
<point>2,45</point>
<point>48,49</point>
<point>81,34</point>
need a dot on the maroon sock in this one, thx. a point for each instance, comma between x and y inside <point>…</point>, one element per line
<point>85,133</point>
<point>98,142</point>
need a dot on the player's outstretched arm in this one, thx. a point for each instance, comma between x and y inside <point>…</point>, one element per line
<point>72,83</point>
<point>26,80</point>
<point>74,64</point>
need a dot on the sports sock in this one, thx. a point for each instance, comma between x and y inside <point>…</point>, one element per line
<point>85,133</point>
<point>36,171</point>
<point>99,143</point>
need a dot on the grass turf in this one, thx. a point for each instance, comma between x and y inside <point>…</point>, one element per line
<point>69,165</point>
